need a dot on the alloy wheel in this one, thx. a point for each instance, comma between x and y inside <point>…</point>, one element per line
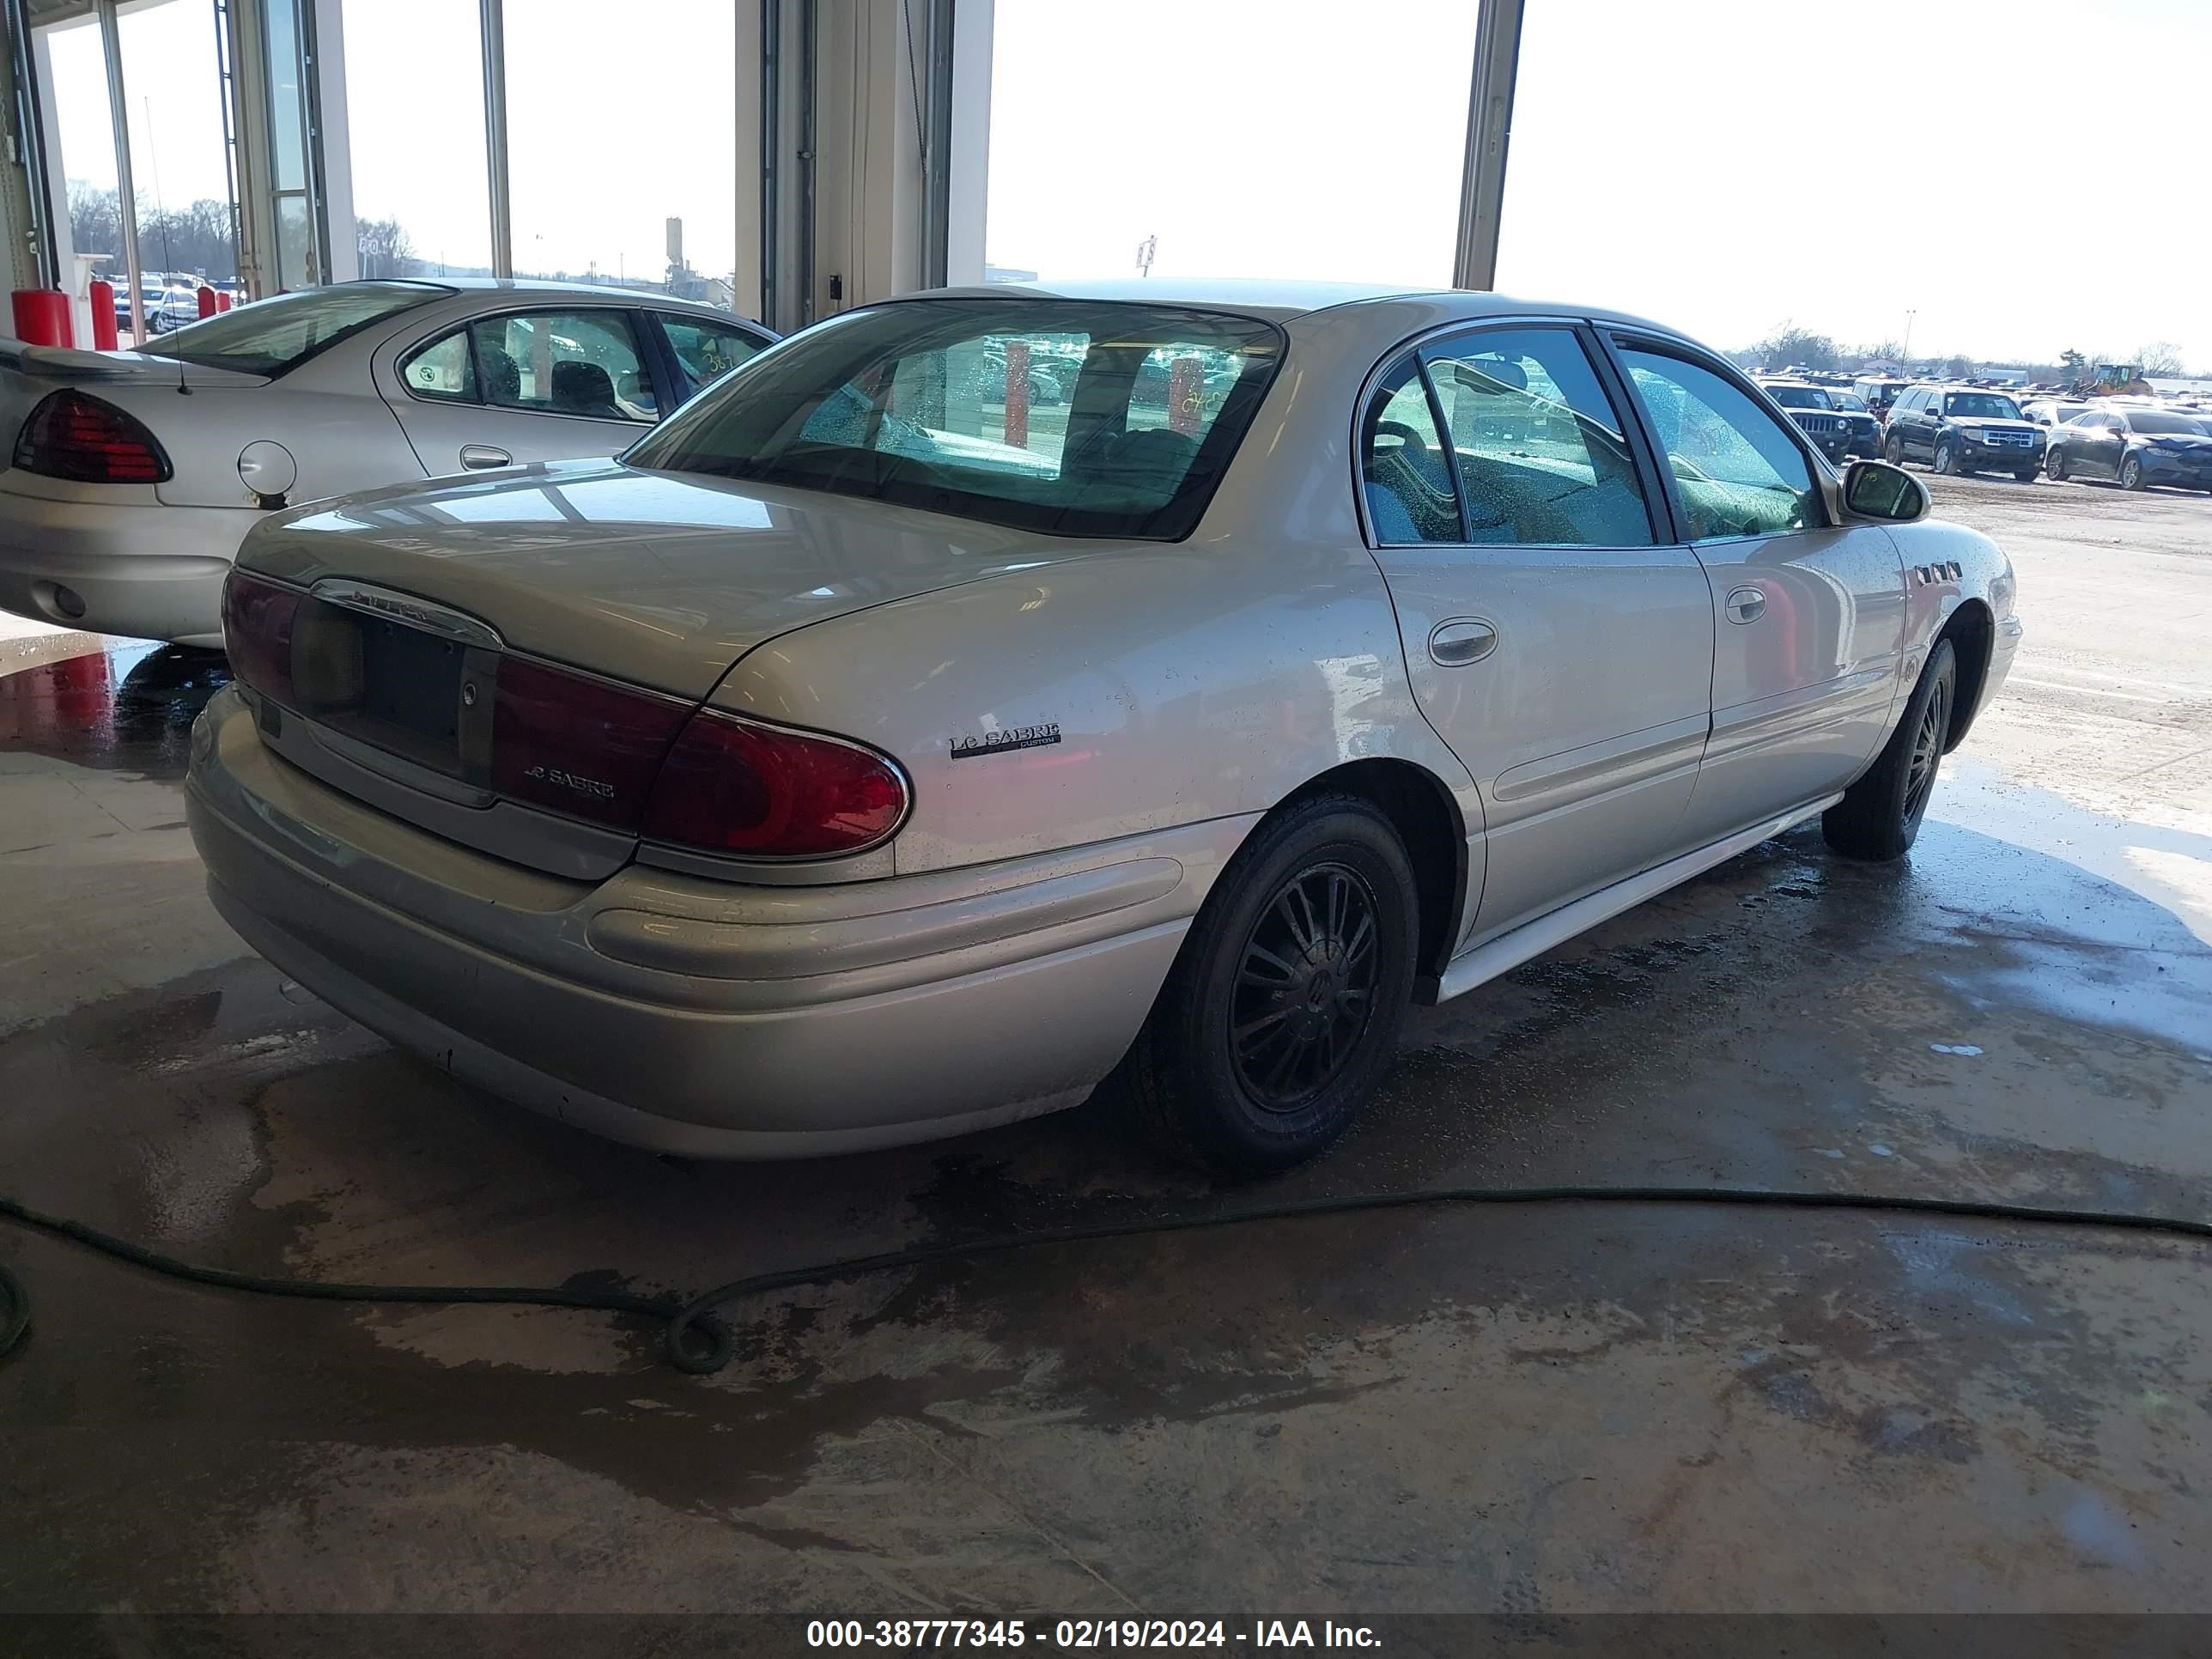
<point>2132,474</point>
<point>1927,751</point>
<point>1305,987</point>
<point>2055,465</point>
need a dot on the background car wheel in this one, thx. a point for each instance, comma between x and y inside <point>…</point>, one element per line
<point>1947,459</point>
<point>1879,816</point>
<point>2054,465</point>
<point>1282,1011</point>
<point>2132,473</point>
<point>1892,450</point>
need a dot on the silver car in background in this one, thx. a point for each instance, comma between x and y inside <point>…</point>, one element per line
<point>130,477</point>
<point>876,751</point>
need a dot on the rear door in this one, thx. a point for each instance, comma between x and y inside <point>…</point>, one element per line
<point>1552,638</point>
<point>1808,618</point>
<point>542,384</point>
<point>1909,421</point>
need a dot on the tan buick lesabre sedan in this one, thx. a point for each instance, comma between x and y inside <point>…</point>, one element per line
<point>980,692</point>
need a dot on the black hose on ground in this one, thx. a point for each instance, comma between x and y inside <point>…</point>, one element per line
<point>695,1341</point>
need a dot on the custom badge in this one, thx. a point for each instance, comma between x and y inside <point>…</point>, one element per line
<point>1005,740</point>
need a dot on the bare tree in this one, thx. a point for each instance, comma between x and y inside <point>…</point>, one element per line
<point>386,250</point>
<point>2161,358</point>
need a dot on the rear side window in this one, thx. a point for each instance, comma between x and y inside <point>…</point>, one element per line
<point>444,369</point>
<point>1404,468</point>
<point>1074,417</point>
<point>1541,455</point>
<point>706,350</point>
<point>272,337</point>
<point>553,362</point>
<point>1738,471</point>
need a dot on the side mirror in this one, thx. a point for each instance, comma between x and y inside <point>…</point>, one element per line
<point>1876,489</point>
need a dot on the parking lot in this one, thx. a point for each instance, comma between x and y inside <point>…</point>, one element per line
<point>1520,1410</point>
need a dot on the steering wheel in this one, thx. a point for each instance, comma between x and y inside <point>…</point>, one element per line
<point>1409,436</point>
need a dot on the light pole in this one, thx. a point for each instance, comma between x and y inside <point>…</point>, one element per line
<point>1909,316</point>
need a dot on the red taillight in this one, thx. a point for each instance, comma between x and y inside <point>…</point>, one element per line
<point>71,435</point>
<point>736,785</point>
<point>256,632</point>
<point>576,744</point>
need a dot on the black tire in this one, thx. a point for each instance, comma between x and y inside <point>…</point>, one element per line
<point>2054,465</point>
<point>1879,816</point>
<point>1205,1098</point>
<point>1892,450</point>
<point>2132,473</point>
<point>2026,475</point>
<point>1946,457</point>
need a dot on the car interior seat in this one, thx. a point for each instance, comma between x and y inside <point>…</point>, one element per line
<point>582,388</point>
<point>503,378</point>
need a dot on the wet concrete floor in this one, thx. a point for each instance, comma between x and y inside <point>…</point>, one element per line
<point>1533,1411</point>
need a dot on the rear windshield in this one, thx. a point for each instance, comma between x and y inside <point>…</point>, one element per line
<point>1980,406</point>
<point>1801,397</point>
<point>271,336</point>
<point>1074,417</point>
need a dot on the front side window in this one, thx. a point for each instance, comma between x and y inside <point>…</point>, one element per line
<point>444,369</point>
<point>272,337</point>
<point>1404,470</point>
<point>708,349</point>
<point>1738,472</point>
<point>1073,418</point>
<point>1542,458</point>
<point>554,363</point>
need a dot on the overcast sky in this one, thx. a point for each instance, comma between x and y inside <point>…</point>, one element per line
<point>2011,170</point>
<point>2009,173</point>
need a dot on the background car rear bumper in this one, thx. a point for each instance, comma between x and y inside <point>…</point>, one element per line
<point>146,572</point>
<point>698,1016</point>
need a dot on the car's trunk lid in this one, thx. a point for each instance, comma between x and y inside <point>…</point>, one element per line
<point>656,579</point>
<point>433,661</point>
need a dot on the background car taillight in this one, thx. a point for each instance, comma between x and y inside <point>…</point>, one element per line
<point>737,786</point>
<point>257,631</point>
<point>576,744</point>
<point>74,436</point>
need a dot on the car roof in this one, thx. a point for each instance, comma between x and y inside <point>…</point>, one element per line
<point>528,288</point>
<point>1280,300</point>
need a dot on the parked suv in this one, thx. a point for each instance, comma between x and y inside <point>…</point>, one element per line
<point>1816,415</point>
<point>1879,390</point>
<point>1963,429</point>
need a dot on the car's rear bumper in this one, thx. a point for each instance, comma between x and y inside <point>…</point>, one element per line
<point>144,569</point>
<point>699,1017</point>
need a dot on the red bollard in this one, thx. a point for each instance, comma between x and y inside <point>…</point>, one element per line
<point>1017,394</point>
<point>222,299</point>
<point>206,298</point>
<point>101,296</point>
<point>1186,396</point>
<point>42,317</point>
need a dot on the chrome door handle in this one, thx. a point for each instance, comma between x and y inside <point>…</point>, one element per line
<point>1463,640</point>
<point>1745,604</point>
<point>479,457</point>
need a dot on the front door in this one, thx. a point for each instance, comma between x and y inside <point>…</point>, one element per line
<point>533,386</point>
<point>1553,639</point>
<point>1807,616</point>
<point>2105,444</point>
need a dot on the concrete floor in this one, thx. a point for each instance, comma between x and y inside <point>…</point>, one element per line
<point>1536,1412</point>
